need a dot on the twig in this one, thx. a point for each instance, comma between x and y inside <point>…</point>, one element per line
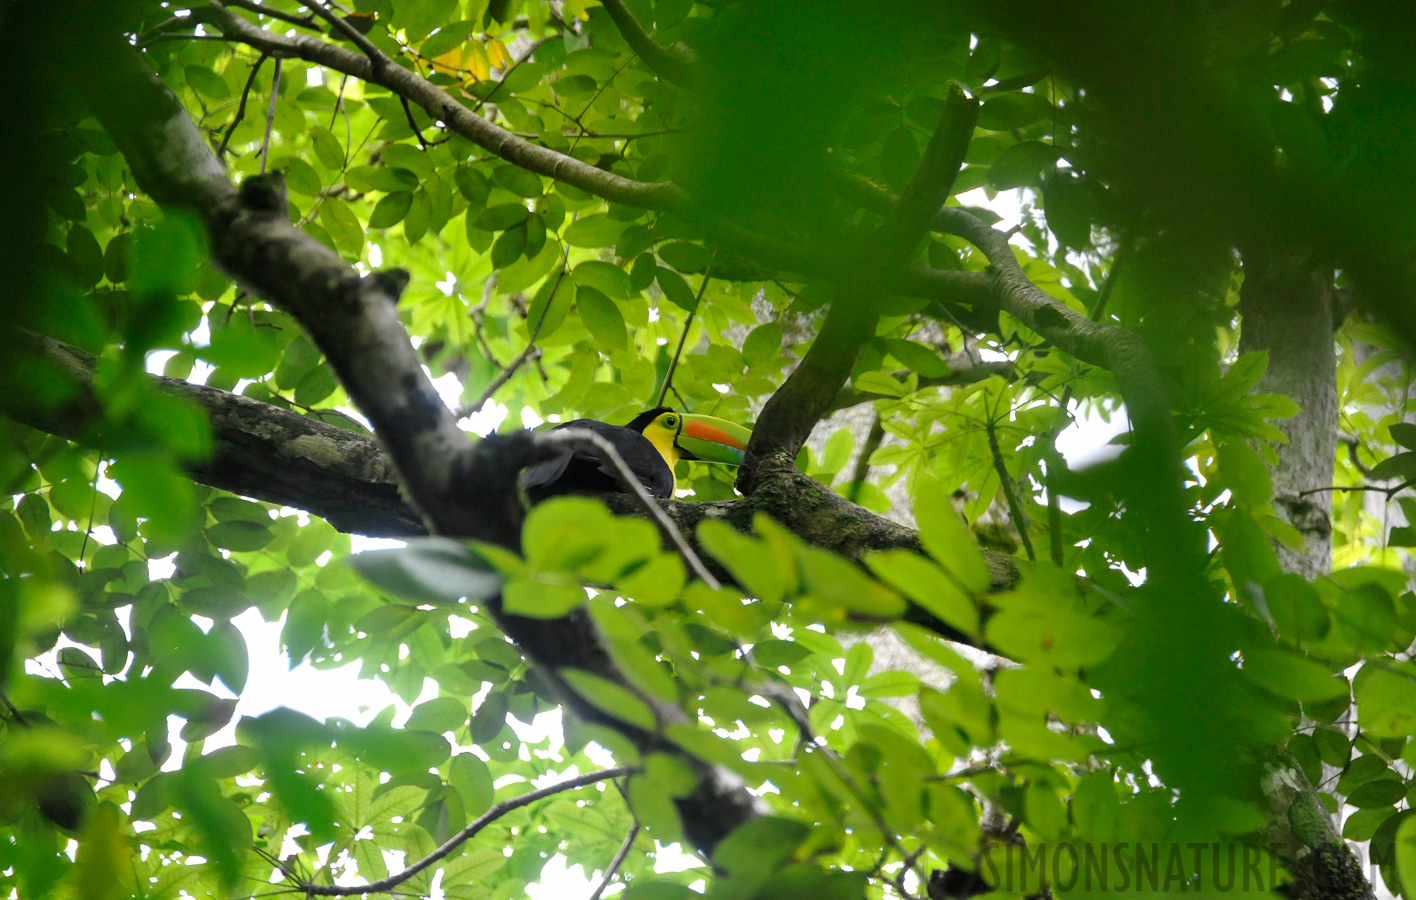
<point>617,861</point>
<point>505,374</point>
<point>862,466</point>
<point>270,114</point>
<point>383,885</point>
<point>241,109</point>
<point>15,714</point>
<point>338,105</point>
<point>1353,445</point>
<point>418,132</point>
<point>1389,491</point>
<point>377,58</point>
<point>302,21</point>
<point>688,323</point>
<point>93,505</point>
<point>1010,491</point>
<point>585,439</point>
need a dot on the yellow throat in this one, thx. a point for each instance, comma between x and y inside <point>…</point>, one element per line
<point>662,435</point>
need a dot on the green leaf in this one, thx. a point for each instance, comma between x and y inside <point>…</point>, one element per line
<point>755,564</point>
<point>434,569</point>
<point>899,157</point>
<point>517,180</point>
<point>594,231</point>
<point>1382,792</point>
<point>1245,473</point>
<point>1013,110</point>
<point>1291,675</point>
<point>918,357</point>
<point>947,539</point>
<point>654,809</point>
<point>564,533</point>
<point>879,383</point>
<point>343,226</point>
<point>610,698</point>
<point>832,580</point>
<point>438,715</point>
<point>1406,851</point>
<point>762,343</point>
<point>1401,467</point>
<point>419,216</point>
<point>473,185</point>
<point>473,781</point>
<point>574,86</point>
<point>676,290</point>
<point>548,310</point>
<point>1020,164</point>
<point>691,259</point>
<point>542,596</point>
<point>391,209</point>
<point>1404,433</point>
<point>602,318</point>
<point>207,83</point>
<point>327,148</point>
<point>241,536</point>
<point>605,277</point>
<point>1386,699</point>
<point>509,247</point>
<point>502,216</point>
<point>928,585</point>
<point>300,176</point>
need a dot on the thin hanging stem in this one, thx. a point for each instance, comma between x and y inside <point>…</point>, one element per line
<point>270,115</point>
<point>683,338</point>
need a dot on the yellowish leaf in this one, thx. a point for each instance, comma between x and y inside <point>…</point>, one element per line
<point>449,63</point>
<point>474,60</point>
<point>497,55</point>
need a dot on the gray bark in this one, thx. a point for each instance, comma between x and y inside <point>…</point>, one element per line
<point>1286,304</point>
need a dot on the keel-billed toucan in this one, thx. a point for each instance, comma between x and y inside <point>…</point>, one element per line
<point>651,444</point>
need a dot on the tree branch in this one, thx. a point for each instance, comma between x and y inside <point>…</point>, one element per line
<point>673,66</point>
<point>458,118</point>
<point>794,409</point>
<point>258,450</point>
<point>615,863</point>
<point>279,456</point>
<point>384,885</point>
<point>962,370</point>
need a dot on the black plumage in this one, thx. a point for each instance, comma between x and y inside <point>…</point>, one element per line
<point>582,471</point>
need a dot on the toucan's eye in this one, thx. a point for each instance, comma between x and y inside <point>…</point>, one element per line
<point>671,421</point>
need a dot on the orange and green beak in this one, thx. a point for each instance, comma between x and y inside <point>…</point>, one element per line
<point>713,440</point>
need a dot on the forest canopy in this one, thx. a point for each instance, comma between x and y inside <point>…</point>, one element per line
<point>274,268</point>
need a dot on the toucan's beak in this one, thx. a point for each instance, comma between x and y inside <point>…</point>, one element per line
<point>713,440</point>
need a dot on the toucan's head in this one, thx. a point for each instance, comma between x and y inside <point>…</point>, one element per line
<point>679,436</point>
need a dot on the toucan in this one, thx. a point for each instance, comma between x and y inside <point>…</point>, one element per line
<point>651,444</point>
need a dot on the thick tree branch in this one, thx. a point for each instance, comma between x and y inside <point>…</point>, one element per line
<point>962,370</point>
<point>457,117</point>
<point>1171,543</point>
<point>279,456</point>
<point>795,408</point>
<point>672,65</point>
<point>258,450</point>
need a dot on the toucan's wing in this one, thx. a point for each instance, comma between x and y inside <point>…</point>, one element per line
<point>577,471</point>
<point>645,461</point>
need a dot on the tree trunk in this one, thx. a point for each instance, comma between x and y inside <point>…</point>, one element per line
<point>1286,306</point>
